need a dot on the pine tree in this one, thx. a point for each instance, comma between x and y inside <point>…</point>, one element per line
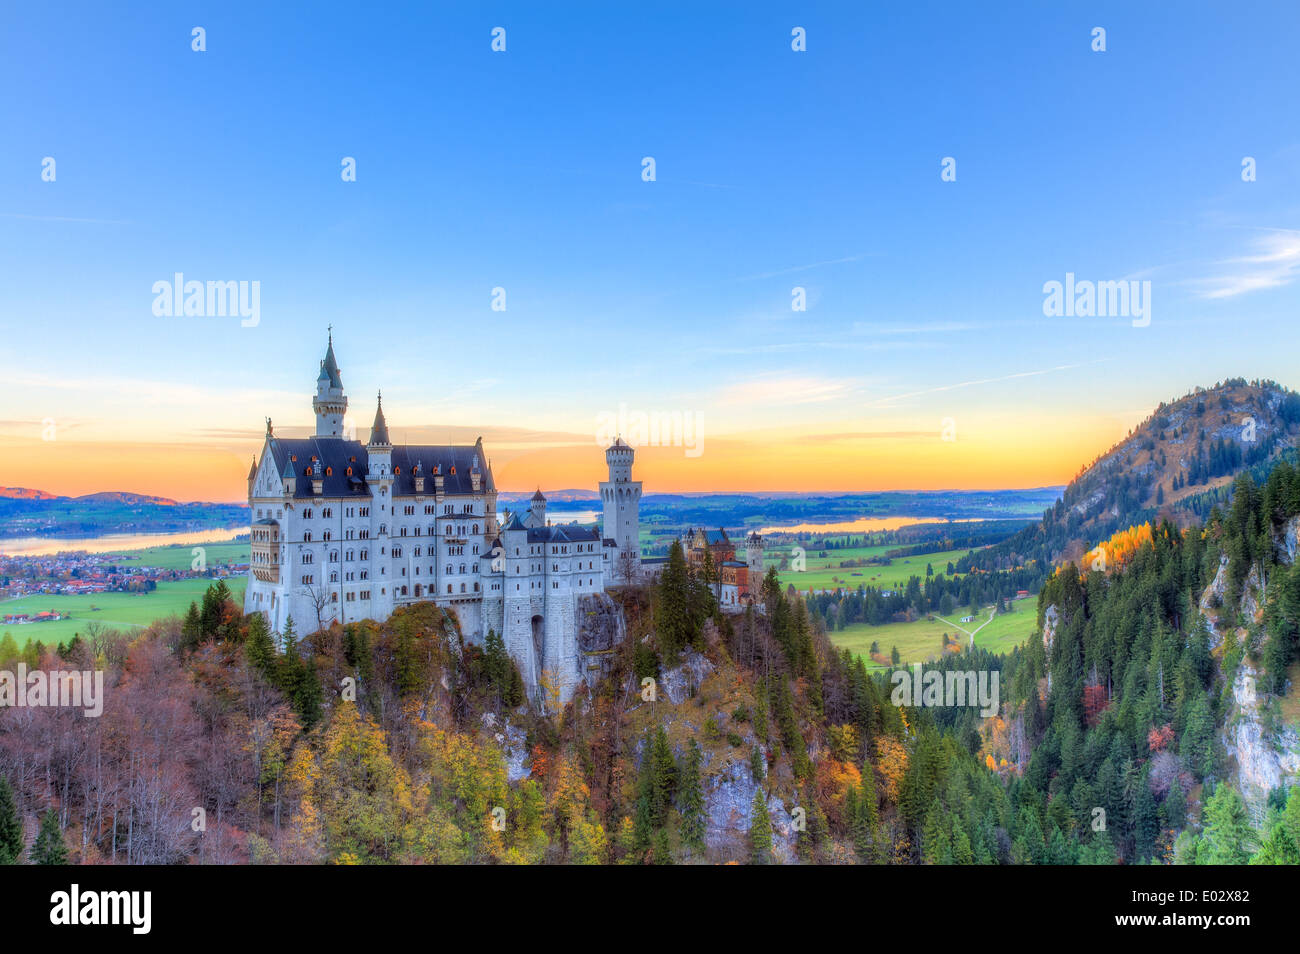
<point>692,799</point>
<point>191,630</point>
<point>662,777</point>
<point>1227,833</point>
<point>865,822</point>
<point>49,848</point>
<point>760,831</point>
<point>672,620</point>
<point>258,648</point>
<point>11,828</point>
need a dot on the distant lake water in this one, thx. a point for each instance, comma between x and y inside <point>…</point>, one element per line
<point>117,542</point>
<point>113,543</point>
<point>862,525</point>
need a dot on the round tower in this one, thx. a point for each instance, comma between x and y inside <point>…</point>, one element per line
<point>621,497</point>
<point>330,403</point>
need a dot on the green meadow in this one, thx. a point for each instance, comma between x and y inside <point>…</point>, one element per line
<point>922,641</point>
<point>110,610</point>
<point>825,573</point>
<point>181,557</point>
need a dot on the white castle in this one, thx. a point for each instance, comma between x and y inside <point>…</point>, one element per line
<point>344,531</point>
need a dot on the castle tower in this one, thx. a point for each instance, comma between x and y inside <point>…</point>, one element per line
<point>379,449</point>
<point>754,557</point>
<point>330,403</point>
<point>537,510</point>
<point>379,475</point>
<point>621,496</point>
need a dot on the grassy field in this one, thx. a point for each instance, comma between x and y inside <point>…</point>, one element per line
<point>182,557</point>
<point>922,640</point>
<point>111,610</point>
<point>824,573</point>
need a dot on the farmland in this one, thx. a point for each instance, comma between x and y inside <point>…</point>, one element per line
<point>922,640</point>
<point>825,573</point>
<point>126,610</point>
<point>110,610</point>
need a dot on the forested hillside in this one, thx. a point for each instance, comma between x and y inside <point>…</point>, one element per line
<point>1177,464</point>
<point>1124,735</point>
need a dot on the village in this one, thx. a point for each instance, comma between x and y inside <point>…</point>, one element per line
<point>77,573</point>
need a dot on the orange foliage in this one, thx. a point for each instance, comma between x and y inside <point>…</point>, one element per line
<point>1095,702</point>
<point>892,765</point>
<point>1158,739</point>
<point>1113,554</point>
<point>833,780</point>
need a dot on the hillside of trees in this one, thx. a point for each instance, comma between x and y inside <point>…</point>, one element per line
<point>1177,464</point>
<point>715,738</point>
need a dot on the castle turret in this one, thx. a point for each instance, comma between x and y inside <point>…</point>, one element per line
<point>380,448</point>
<point>754,558</point>
<point>537,509</point>
<point>621,497</point>
<point>330,403</point>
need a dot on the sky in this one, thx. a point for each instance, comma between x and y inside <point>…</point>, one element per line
<point>923,358</point>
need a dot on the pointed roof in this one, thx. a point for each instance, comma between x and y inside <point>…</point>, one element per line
<point>379,430</point>
<point>538,496</point>
<point>329,368</point>
<point>252,469</point>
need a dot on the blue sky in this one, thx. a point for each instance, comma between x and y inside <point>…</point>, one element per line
<point>522,170</point>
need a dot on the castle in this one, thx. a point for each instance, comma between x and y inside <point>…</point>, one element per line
<point>738,582</point>
<point>344,531</point>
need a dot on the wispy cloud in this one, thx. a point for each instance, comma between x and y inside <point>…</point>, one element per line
<point>958,385</point>
<point>804,268</point>
<point>1275,262</point>
<point>787,390</point>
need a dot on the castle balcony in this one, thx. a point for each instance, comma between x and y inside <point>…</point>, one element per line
<point>267,574</point>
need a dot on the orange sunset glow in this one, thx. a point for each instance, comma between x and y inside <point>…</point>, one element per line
<point>993,454</point>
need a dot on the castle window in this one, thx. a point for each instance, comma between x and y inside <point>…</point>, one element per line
<point>349,472</point>
<point>397,470</point>
<point>329,471</point>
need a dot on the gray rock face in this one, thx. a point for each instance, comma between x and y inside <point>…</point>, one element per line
<point>1051,619</point>
<point>511,740</point>
<point>600,626</point>
<point>1262,763</point>
<point>1289,544</point>
<point>680,684</point>
<point>729,803</point>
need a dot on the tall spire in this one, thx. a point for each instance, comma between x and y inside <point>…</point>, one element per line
<point>379,431</point>
<point>330,403</point>
<point>329,368</point>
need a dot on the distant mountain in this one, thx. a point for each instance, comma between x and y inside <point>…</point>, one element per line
<point>36,513</point>
<point>107,496</point>
<point>22,493</point>
<point>131,500</point>
<point>1177,463</point>
<point>552,496</point>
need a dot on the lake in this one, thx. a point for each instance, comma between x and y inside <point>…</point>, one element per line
<point>861,525</point>
<point>114,542</point>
